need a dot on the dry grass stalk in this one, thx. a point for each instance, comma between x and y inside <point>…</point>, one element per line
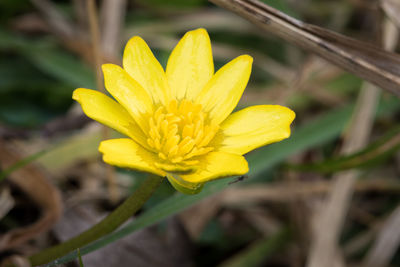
<point>285,191</point>
<point>362,59</point>
<point>387,242</point>
<point>113,15</point>
<point>388,237</point>
<point>332,216</point>
<point>392,10</point>
<point>6,201</point>
<point>95,38</point>
<point>61,25</point>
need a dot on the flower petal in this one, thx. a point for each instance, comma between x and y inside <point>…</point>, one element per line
<point>222,93</point>
<point>140,63</point>
<point>103,109</point>
<point>215,165</point>
<point>255,126</point>
<point>128,93</point>
<point>190,65</point>
<point>126,153</point>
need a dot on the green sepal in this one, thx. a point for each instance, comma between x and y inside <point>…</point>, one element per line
<point>183,186</point>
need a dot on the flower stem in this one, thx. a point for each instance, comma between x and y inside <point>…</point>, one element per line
<point>129,207</point>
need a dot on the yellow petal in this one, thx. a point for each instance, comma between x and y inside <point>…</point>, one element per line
<point>222,93</point>
<point>140,63</point>
<point>217,165</point>
<point>255,126</point>
<point>190,65</point>
<point>103,109</point>
<point>128,93</point>
<point>126,153</point>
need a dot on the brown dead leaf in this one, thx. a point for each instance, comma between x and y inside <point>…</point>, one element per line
<point>362,59</point>
<point>35,184</point>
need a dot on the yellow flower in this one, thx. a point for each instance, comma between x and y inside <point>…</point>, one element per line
<point>178,121</point>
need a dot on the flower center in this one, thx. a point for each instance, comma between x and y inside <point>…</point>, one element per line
<point>179,132</point>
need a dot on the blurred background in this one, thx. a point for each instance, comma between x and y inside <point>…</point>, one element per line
<point>328,196</point>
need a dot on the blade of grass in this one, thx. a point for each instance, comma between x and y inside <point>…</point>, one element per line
<point>260,251</point>
<point>375,153</point>
<point>79,257</point>
<point>21,163</point>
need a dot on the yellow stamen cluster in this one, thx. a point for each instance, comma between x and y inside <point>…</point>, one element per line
<point>179,132</point>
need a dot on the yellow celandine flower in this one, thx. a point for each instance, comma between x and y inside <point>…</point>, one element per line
<point>179,121</point>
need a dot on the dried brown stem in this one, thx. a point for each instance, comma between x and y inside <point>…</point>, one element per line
<point>95,39</point>
<point>362,59</point>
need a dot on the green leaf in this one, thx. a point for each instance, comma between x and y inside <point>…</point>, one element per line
<point>375,153</point>
<point>49,59</point>
<point>317,132</point>
<point>61,65</point>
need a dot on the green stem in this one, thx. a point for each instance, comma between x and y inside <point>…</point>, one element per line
<point>106,226</point>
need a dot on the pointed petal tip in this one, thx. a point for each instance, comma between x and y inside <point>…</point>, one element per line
<point>199,31</point>
<point>245,57</point>
<point>289,113</point>
<point>243,167</point>
<point>286,133</point>
<point>108,67</point>
<point>134,39</point>
<point>76,94</point>
<point>101,147</point>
